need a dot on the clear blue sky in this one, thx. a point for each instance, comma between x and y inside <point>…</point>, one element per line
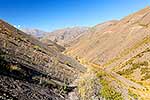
<point>54,14</point>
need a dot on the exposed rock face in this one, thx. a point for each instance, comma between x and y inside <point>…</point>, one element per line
<point>65,36</point>
<point>30,70</point>
<point>13,89</point>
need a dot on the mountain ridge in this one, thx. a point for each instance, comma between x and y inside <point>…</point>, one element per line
<point>119,55</point>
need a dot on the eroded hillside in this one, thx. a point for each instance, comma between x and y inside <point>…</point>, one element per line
<point>117,55</point>
<point>30,70</point>
<point>103,44</point>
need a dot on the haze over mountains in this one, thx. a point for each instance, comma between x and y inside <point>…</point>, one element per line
<point>34,32</point>
<point>62,36</point>
<point>109,61</point>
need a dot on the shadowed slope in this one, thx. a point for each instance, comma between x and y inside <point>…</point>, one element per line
<point>32,71</point>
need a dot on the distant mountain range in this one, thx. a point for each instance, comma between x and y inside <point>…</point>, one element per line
<point>34,32</point>
<point>62,36</point>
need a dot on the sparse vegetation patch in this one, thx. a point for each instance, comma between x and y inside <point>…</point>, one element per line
<point>108,92</point>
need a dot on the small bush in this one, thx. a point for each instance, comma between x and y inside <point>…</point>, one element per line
<point>67,63</point>
<point>100,74</point>
<point>36,47</point>
<point>146,76</point>
<point>145,70</point>
<point>133,95</point>
<point>145,63</point>
<point>13,68</point>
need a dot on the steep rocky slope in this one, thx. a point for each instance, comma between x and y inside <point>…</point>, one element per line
<point>65,36</point>
<point>119,55</point>
<point>30,70</point>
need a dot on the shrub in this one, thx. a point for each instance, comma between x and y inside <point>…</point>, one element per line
<point>100,74</point>
<point>13,68</point>
<point>133,95</point>
<point>36,47</point>
<point>146,76</point>
<point>145,70</point>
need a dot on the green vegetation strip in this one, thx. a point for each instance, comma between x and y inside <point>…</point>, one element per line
<point>146,40</point>
<point>107,91</point>
<point>131,69</point>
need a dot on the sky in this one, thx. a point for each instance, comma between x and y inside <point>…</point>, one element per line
<point>49,15</point>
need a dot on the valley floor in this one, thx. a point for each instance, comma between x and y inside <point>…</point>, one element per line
<point>102,84</point>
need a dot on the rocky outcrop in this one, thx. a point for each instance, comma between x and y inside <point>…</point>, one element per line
<point>30,70</point>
